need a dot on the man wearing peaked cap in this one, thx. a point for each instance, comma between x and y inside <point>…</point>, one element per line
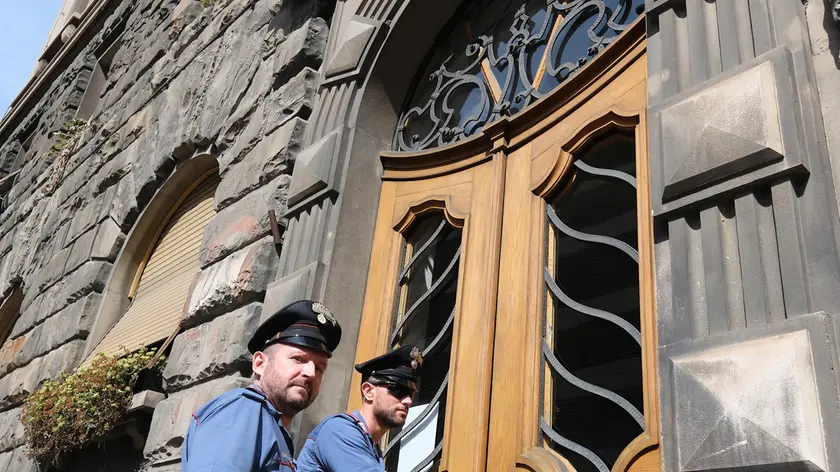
<point>245,429</point>
<point>350,442</point>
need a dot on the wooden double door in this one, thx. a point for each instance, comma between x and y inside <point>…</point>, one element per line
<point>520,261</point>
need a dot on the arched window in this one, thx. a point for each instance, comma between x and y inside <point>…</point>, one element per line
<point>162,283</point>
<point>496,57</point>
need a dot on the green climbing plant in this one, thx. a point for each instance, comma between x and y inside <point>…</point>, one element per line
<point>66,414</point>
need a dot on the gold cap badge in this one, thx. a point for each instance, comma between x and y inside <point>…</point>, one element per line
<point>416,358</point>
<point>324,314</point>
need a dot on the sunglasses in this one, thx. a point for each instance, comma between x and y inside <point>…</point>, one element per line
<point>398,391</point>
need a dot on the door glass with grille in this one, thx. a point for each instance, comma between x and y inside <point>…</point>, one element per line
<point>592,346</point>
<point>423,316</point>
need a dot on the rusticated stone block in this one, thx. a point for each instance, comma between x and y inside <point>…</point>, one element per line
<point>270,158</point>
<point>54,269</point>
<point>232,282</point>
<point>172,417</point>
<point>303,48</point>
<point>109,240</point>
<point>751,399</point>
<point>16,385</point>
<point>212,349</point>
<point>19,383</point>
<point>11,430</point>
<point>80,251</point>
<point>73,322</point>
<point>244,221</point>
<point>89,278</point>
<point>295,98</point>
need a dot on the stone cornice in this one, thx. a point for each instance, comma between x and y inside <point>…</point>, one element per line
<point>31,89</point>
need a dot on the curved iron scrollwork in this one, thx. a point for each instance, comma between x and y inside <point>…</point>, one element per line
<point>424,314</point>
<point>591,353</point>
<point>523,50</point>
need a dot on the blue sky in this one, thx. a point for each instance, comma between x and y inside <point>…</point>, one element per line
<point>24,26</point>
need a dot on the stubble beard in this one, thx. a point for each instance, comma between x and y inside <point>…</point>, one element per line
<point>388,418</point>
<point>285,400</point>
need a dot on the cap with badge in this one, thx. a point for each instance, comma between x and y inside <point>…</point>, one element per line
<point>402,365</point>
<point>303,323</point>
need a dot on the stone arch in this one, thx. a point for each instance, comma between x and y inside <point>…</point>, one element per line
<point>115,299</point>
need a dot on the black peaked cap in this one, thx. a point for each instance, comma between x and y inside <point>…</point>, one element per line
<point>303,323</point>
<point>401,365</point>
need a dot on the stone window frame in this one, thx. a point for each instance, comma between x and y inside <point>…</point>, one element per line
<point>101,64</point>
<point>115,298</point>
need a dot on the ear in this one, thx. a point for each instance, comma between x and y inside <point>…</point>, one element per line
<point>368,392</point>
<point>259,363</point>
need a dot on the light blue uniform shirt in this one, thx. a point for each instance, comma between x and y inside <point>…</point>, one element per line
<point>341,443</point>
<point>237,431</point>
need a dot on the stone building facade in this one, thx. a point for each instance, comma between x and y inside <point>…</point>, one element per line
<point>284,114</point>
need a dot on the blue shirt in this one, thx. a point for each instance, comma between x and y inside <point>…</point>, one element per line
<point>341,443</point>
<point>238,431</point>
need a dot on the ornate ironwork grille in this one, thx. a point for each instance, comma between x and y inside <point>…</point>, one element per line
<point>498,56</point>
<point>423,315</point>
<point>592,347</point>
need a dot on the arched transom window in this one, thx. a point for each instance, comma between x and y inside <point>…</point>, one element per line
<point>496,57</point>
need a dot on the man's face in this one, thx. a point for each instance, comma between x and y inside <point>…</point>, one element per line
<point>391,404</point>
<point>289,375</point>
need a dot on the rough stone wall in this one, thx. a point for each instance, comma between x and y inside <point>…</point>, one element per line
<point>238,78</point>
<point>747,232</point>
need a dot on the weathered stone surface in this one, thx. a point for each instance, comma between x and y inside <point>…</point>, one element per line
<point>11,430</point>
<point>54,269</point>
<point>172,417</point>
<point>234,281</point>
<point>748,404</point>
<point>232,72</point>
<point>115,169</point>
<point>88,278</point>
<point>124,208</point>
<point>26,320</point>
<point>19,383</point>
<point>730,127</point>
<point>91,214</point>
<point>17,461</point>
<point>80,251</point>
<point>244,222</point>
<point>73,322</point>
<point>270,158</point>
<point>303,48</point>
<point>352,44</point>
<point>212,349</point>
<point>109,240</point>
<point>295,98</point>
<point>315,168</point>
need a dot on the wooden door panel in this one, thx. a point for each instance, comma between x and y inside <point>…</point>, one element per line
<point>470,199</point>
<point>616,100</point>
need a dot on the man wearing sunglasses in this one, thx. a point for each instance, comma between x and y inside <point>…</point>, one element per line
<point>350,442</point>
<point>245,429</point>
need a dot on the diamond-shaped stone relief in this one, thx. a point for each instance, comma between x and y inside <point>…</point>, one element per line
<point>351,46</point>
<point>314,168</point>
<point>726,129</point>
<point>295,286</point>
<point>748,404</point>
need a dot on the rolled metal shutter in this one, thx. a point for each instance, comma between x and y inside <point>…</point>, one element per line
<point>160,298</point>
